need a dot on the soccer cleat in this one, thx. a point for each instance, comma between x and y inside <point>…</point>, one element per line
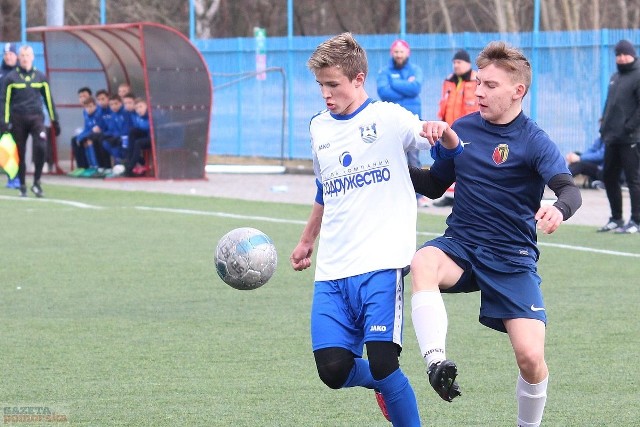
<point>23,191</point>
<point>442,377</point>
<point>630,228</point>
<point>382,405</point>
<point>36,189</point>
<point>613,224</point>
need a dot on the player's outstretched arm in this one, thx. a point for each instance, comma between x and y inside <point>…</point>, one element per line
<point>301,256</point>
<point>439,130</point>
<point>569,201</point>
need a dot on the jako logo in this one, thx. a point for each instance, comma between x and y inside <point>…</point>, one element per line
<point>378,328</point>
<point>346,159</point>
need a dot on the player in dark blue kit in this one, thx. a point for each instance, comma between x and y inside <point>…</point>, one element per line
<point>490,243</point>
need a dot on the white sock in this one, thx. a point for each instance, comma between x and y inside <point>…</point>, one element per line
<point>531,399</point>
<point>430,323</point>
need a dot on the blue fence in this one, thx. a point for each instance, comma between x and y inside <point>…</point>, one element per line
<point>571,73</point>
<point>571,76</point>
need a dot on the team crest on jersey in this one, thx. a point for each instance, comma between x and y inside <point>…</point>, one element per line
<point>368,133</point>
<point>500,154</point>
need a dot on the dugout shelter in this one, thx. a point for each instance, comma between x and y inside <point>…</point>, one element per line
<point>160,64</point>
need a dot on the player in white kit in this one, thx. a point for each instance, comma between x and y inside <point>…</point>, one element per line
<point>365,215</point>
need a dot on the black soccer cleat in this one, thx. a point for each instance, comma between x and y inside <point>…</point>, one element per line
<point>23,191</point>
<point>442,377</point>
<point>37,190</point>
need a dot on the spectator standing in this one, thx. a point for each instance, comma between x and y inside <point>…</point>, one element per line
<point>401,82</point>
<point>21,113</point>
<point>458,99</point>
<point>9,63</point>
<point>620,131</point>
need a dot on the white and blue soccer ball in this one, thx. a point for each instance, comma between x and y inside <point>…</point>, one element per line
<point>245,258</point>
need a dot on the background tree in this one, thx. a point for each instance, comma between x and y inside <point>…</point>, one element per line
<point>237,18</point>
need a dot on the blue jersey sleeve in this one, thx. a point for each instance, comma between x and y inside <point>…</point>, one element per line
<point>319,197</point>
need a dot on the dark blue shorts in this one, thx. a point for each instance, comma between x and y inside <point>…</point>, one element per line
<point>349,312</point>
<point>509,286</point>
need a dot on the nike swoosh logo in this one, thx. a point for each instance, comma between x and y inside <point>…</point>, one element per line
<point>464,143</point>
<point>534,308</point>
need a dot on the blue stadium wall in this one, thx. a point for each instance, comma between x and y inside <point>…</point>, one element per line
<point>571,73</point>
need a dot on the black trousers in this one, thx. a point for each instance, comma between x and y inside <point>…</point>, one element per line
<point>622,158</point>
<point>21,127</point>
<point>590,170</point>
<point>138,140</point>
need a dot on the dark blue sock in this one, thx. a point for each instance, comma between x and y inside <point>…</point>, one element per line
<point>360,375</point>
<point>400,399</point>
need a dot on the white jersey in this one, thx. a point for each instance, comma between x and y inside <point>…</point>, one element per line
<point>369,220</point>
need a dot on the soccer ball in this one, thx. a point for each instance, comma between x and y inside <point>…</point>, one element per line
<point>245,258</point>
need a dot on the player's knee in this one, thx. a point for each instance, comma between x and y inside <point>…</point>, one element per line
<point>424,267</point>
<point>383,358</point>
<point>334,366</point>
<point>531,362</point>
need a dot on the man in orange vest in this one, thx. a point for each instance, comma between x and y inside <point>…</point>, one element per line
<point>458,99</point>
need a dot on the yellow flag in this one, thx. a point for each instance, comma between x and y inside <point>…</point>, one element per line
<point>9,155</point>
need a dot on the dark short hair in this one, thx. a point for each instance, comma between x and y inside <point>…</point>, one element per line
<point>89,101</point>
<point>115,97</point>
<point>102,92</point>
<point>85,89</point>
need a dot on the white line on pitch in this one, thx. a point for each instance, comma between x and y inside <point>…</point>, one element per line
<point>422,233</point>
<point>222,215</point>
<point>45,200</point>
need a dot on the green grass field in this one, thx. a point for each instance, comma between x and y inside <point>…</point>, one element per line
<point>111,313</point>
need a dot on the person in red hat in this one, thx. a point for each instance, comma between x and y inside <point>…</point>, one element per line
<point>401,82</point>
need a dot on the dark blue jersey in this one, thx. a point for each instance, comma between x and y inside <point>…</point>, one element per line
<point>500,179</point>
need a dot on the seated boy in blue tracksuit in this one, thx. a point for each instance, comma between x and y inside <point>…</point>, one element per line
<point>116,131</point>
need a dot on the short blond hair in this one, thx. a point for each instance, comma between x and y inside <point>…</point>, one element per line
<point>341,51</point>
<point>509,59</point>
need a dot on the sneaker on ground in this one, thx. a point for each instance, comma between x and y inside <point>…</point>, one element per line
<point>88,173</point>
<point>613,224</point>
<point>629,228</point>
<point>597,184</point>
<point>23,191</point>
<point>382,405</point>
<point>37,190</point>
<point>76,172</point>
<point>442,377</point>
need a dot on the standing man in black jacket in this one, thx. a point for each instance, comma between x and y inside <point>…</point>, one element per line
<point>620,131</point>
<point>21,95</point>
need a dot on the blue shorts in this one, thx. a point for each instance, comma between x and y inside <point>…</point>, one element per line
<point>349,312</point>
<point>509,285</point>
